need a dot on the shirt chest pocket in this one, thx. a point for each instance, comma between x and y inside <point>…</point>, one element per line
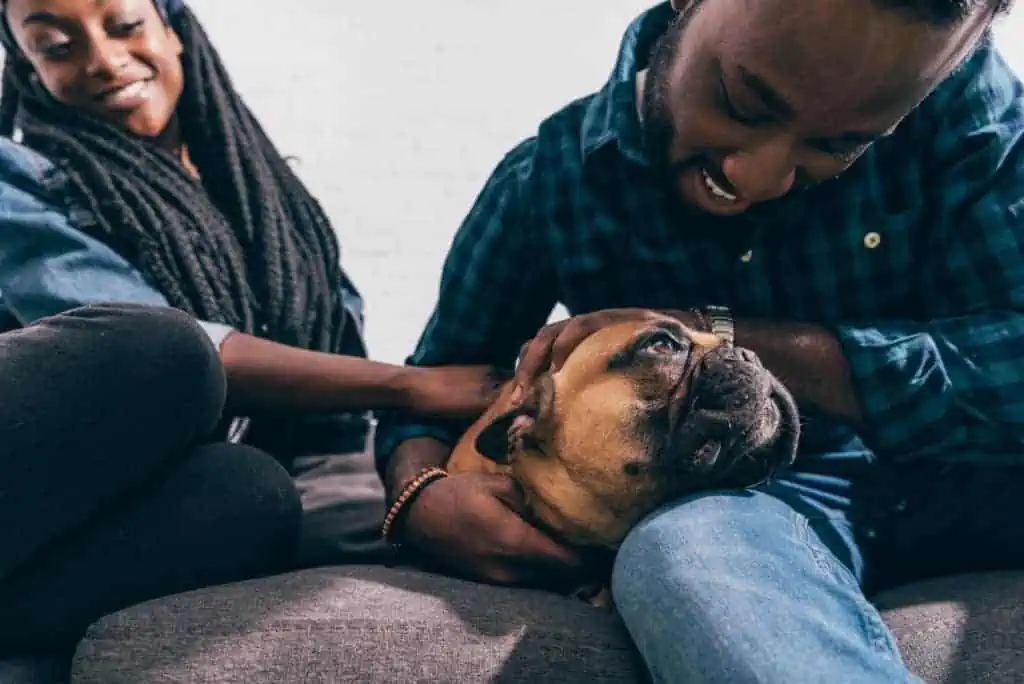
<point>864,269</point>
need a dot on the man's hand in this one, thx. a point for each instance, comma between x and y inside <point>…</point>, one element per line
<point>549,349</point>
<point>455,392</point>
<point>469,525</point>
<point>806,357</point>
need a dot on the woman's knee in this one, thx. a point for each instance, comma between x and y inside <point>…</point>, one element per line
<point>159,355</point>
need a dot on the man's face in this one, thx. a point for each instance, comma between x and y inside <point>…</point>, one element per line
<point>745,100</point>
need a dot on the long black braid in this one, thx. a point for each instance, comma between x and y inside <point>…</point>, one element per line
<point>247,245</point>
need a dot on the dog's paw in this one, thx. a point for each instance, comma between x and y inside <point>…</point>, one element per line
<point>597,595</point>
<point>602,599</point>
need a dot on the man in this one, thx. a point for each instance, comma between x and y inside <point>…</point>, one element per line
<point>842,181</point>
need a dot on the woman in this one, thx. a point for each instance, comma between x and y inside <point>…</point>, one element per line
<point>142,177</point>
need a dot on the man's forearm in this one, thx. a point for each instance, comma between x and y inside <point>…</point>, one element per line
<point>807,358</point>
<point>409,459</point>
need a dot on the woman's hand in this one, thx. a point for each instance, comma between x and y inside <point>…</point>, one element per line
<point>458,392</point>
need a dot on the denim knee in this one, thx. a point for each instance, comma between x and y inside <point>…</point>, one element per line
<point>693,537</point>
<point>725,587</point>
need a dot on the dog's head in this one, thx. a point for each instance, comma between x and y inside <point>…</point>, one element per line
<point>639,414</point>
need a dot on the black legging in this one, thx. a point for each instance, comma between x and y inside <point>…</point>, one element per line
<point>108,497</point>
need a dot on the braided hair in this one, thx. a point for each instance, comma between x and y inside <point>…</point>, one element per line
<point>246,245</point>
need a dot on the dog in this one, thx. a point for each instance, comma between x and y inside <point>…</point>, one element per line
<point>640,414</point>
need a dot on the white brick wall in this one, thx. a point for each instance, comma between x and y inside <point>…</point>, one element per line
<point>400,110</point>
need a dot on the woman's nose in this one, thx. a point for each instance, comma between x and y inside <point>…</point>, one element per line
<point>106,57</point>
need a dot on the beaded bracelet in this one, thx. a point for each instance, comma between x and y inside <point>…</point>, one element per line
<point>426,476</point>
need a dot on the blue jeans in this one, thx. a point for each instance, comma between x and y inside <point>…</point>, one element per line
<point>771,585</point>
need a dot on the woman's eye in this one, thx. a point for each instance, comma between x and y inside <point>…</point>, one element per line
<point>663,343</point>
<point>55,50</point>
<point>126,28</point>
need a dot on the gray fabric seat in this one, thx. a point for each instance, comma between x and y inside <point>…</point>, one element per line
<point>374,624</point>
<point>962,629</point>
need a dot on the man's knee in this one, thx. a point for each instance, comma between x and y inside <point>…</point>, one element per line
<point>717,588</point>
<point>696,542</point>
<point>694,571</point>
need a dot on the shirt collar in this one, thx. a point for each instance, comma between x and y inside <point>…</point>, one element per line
<point>611,115</point>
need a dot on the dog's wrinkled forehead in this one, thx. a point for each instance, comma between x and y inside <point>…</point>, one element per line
<point>617,348</point>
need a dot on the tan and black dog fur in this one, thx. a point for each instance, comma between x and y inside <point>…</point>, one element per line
<point>639,414</point>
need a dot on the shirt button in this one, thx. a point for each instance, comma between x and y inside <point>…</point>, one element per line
<point>872,240</point>
<point>747,256</point>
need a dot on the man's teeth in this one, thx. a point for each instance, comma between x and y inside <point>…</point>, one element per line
<point>715,188</point>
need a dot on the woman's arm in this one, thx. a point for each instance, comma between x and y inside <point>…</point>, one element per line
<point>47,267</point>
<point>268,375</point>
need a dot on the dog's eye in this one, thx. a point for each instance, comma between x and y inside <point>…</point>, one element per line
<point>662,343</point>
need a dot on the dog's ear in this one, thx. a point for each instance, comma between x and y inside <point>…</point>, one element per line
<point>495,441</point>
<point>519,427</point>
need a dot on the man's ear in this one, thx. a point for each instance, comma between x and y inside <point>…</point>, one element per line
<point>518,428</point>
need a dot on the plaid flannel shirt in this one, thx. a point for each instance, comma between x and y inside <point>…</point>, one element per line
<point>914,257</point>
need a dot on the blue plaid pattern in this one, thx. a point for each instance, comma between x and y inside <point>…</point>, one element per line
<point>914,257</point>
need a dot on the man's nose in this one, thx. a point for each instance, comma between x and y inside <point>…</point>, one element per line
<point>763,173</point>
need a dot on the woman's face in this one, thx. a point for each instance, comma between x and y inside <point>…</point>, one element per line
<point>114,59</point>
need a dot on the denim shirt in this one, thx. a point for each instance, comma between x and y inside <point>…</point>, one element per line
<point>48,266</point>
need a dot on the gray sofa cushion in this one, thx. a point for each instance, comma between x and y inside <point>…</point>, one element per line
<point>357,624</point>
<point>373,624</point>
<point>966,629</point>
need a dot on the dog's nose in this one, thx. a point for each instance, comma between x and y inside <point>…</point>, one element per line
<point>729,379</point>
<point>747,355</point>
<point>729,355</point>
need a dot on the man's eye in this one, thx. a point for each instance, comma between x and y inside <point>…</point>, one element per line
<point>848,155</point>
<point>662,343</point>
<point>732,111</point>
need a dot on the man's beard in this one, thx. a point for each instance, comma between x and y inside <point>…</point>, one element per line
<point>655,114</point>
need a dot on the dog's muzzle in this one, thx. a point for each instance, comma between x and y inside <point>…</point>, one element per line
<point>740,424</point>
